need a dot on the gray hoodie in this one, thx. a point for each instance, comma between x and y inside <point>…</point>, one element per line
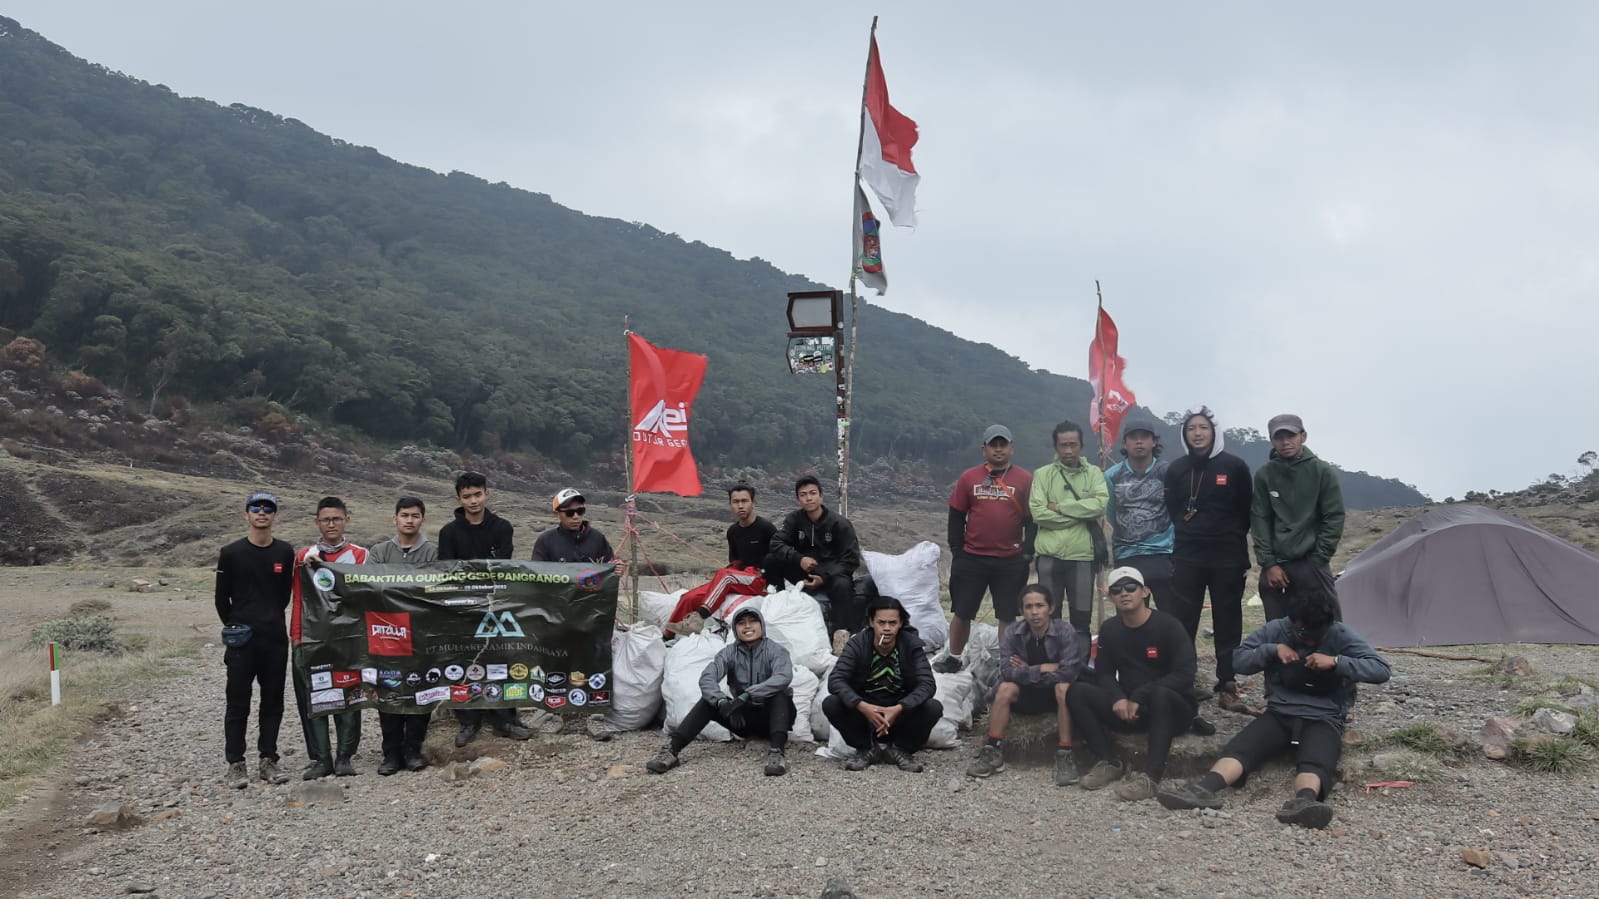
<point>763,668</point>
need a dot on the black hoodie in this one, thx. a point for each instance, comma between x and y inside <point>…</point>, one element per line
<point>1214,536</point>
<point>460,539</point>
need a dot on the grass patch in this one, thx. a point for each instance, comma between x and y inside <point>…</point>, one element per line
<point>1531,704</point>
<point>1495,676</point>
<point>86,607</point>
<point>1406,766</point>
<point>1587,730</point>
<point>1427,739</point>
<point>1557,755</point>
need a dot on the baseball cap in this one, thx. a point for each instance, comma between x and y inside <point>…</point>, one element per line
<point>564,497</point>
<point>261,496</point>
<point>995,432</point>
<point>1139,424</point>
<point>1285,422</point>
<point>1124,573</point>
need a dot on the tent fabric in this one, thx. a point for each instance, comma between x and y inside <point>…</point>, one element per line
<point>1468,574</point>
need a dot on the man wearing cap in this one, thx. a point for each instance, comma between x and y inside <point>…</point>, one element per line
<point>1144,675</point>
<point>991,536</point>
<point>1067,500</point>
<point>254,577</point>
<point>1141,529</point>
<point>1297,518</point>
<point>816,548</point>
<point>572,539</point>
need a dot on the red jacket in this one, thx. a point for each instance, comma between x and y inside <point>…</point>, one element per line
<point>351,554</point>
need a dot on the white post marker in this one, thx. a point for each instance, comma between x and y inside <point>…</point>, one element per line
<point>55,673</point>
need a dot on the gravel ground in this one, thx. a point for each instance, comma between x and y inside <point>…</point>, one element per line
<point>569,816</point>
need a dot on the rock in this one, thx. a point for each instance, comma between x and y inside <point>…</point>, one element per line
<point>1517,666</point>
<point>485,764</point>
<point>140,585</point>
<point>138,886</point>
<point>311,792</point>
<point>166,814</point>
<point>1496,736</point>
<point>616,772</point>
<point>1583,702</point>
<point>1508,860</point>
<point>113,814</point>
<point>837,888</point>
<point>1477,858</point>
<point>1553,721</point>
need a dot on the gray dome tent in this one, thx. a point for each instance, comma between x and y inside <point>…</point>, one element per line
<point>1467,574</point>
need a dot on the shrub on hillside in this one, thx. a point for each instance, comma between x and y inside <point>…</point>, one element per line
<point>91,633</point>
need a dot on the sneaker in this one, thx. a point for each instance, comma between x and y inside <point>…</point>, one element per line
<point>990,761</point>
<point>1305,813</point>
<point>1135,787</point>
<point>1066,768</point>
<point>1188,796</point>
<point>465,735</point>
<point>545,724</point>
<point>317,770</point>
<point>840,637</point>
<point>1202,727</point>
<point>693,624</point>
<point>342,767</point>
<point>664,761</point>
<point>949,664</point>
<point>862,759</point>
<point>238,776</point>
<point>905,761</point>
<point>1102,775</point>
<point>513,731</point>
<point>776,764</point>
<point>267,769</point>
<point>415,762</point>
<point>391,765</point>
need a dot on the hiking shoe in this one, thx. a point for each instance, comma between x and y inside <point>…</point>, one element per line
<point>1202,727</point>
<point>465,735</point>
<point>1102,775</point>
<point>391,765</point>
<point>776,764</point>
<point>840,637</point>
<point>1066,768</point>
<point>545,724</point>
<point>1188,796</point>
<point>862,759</point>
<point>317,770</point>
<point>1135,787</point>
<point>990,761</point>
<point>415,762</point>
<point>693,624</point>
<point>1305,813</point>
<point>905,761</point>
<point>664,761</point>
<point>342,767</point>
<point>512,731</point>
<point>267,769</point>
<point>238,776</point>
<point>949,664</point>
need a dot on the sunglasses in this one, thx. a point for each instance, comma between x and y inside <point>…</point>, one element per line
<point>262,507</point>
<point>1124,588</point>
<point>576,512</point>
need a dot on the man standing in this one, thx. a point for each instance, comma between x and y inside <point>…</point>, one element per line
<point>1309,658</point>
<point>1208,494</point>
<point>332,517</point>
<point>881,691</point>
<point>991,536</point>
<point>572,539</point>
<point>254,577</point>
<point>1297,518</point>
<point>404,732</point>
<point>1039,659</point>
<point>757,702</point>
<point>1067,500</point>
<point>1141,529</point>
<point>477,533</point>
<point>1144,677</point>
<point>749,541</point>
<point>817,549</point>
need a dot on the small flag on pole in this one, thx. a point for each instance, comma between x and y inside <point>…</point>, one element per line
<point>868,245</point>
<point>1112,397</point>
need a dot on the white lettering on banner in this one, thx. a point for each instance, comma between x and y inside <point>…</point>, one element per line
<point>389,630</point>
<point>662,425</point>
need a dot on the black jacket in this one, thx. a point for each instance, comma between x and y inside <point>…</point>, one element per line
<point>1222,491</point>
<point>848,678</point>
<point>460,539</point>
<point>830,540</point>
<point>583,545</point>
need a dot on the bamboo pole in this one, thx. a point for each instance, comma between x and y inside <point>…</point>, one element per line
<point>630,506</point>
<point>844,360</point>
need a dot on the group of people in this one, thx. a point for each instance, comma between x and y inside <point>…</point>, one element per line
<point>257,582</point>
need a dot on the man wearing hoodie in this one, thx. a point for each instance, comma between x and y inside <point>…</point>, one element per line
<point>572,539</point>
<point>332,517</point>
<point>403,733</point>
<point>1067,500</point>
<point>1309,658</point>
<point>1297,518</point>
<point>1208,495</point>
<point>757,702</point>
<point>816,548</point>
<point>477,533</point>
<point>881,690</point>
<point>1141,529</point>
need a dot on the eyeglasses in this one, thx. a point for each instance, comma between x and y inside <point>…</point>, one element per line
<point>576,512</point>
<point>1124,588</point>
<point>262,507</point>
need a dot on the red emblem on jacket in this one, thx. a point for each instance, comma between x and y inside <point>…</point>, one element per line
<point>1221,480</point>
<point>1152,652</point>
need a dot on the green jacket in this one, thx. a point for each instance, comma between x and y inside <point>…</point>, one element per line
<point>1298,510</point>
<point>1063,533</point>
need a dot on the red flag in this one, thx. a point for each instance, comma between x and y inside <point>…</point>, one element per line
<point>1106,364</point>
<point>887,136</point>
<point>664,384</point>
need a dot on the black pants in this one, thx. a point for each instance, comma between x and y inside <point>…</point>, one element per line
<point>771,720</point>
<point>474,717</point>
<point>1319,744</point>
<point>263,662</point>
<point>1164,716</point>
<point>1226,586</point>
<point>1157,572</point>
<point>1303,574</point>
<point>402,733</point>
<point>910,731</point>
<point>836,596</point>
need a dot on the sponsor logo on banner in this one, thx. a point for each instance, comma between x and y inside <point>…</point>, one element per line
<point>474,671</point>
<point>364,693</point>
<point>579,679</point>
<point>369,675</point>
<point>496,672</point>
<point>501,625</point>
<point>556,679</point>
<point>535,692</point>
<point>589,580</point>
<point>491,692</point>
<point>321,680</point>
<point>515,691</point>
<point>388,633</point>
<point>460,693</point>
<point>327,701</point>
<point>323,579</point>
<point>555,702</point>
<point>474,690</point>
<point>600,696</point>
<point>536,674</point>
<point>518,671</point>
<point>454,672</point>
<point>577,697</point>
<point>596,681</point>
<point>413,679</point>
<point>390,678</point>
<point>346,678</point>
<point>432,695</point>
<point>432,676</point>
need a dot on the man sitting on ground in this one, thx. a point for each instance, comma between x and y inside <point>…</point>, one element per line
<point>1308,658</point>
<point>757,701</point>
<point>1039,660</point>
<point>882,689</point>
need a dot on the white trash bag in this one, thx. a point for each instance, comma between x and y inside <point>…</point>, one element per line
<point>638,664</point>
<point>981,660</point>
<point>657,608</point>
<point>955,693</point>
<point>804,689</point>
<point>912,578</point>
<point>686,659</point>
<point>795,620</point>
<point>821,728</point>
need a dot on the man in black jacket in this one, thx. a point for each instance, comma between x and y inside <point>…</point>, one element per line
<point>817,549</point>
<point>572,539</point>
<point>1208,494</point>
<point>477,533</point>
<point>881,690</point>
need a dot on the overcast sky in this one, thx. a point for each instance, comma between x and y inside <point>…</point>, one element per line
<point>1384,217</point>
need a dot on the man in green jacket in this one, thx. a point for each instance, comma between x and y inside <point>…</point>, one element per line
<point>1068,498</point>
<point>1297,518</point>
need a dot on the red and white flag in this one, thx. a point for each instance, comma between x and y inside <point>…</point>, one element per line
<point>1112,397</point>
<point>887,137</point>
<point>664,384</point>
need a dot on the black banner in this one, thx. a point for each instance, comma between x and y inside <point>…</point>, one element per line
<point>466,634</point>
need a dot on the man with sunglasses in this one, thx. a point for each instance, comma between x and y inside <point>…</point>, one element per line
<point>332,517</point>
<point>572,539</point>
<point>991,536</point>
<point>254,577</point>
<point>1309,658</point>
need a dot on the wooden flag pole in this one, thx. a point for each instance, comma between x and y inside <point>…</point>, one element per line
<point>844,360</point>
<point>630,506</point>
<point>1101,576</point>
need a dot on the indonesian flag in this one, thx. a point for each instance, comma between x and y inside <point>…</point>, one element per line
<point>886,141</point>
<point>664,384</point>
<point>1112,398</point>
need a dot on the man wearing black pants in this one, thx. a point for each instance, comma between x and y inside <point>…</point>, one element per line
<point>1208,496</point>
<point>254,577</point>
<point>1144,676</point>
<point>816,548</point>
<point>882,689</point>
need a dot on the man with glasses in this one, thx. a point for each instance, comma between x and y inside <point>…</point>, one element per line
<point>403,732</point>
<point>1067,499</point>
<point>332,517</point>
<point>991,535</point>
<point>254,577</point>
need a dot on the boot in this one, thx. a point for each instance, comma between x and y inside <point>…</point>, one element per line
<point>317,770</point>
<point>465,735</point>
<point>414,760</point>
<point>343,768</point>
<point>391,765</point>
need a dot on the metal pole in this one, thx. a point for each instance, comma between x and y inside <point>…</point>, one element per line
<point>55,673</point>
<point>845,364</point>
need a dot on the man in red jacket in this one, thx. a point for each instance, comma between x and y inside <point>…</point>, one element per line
<point>332,517</point>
